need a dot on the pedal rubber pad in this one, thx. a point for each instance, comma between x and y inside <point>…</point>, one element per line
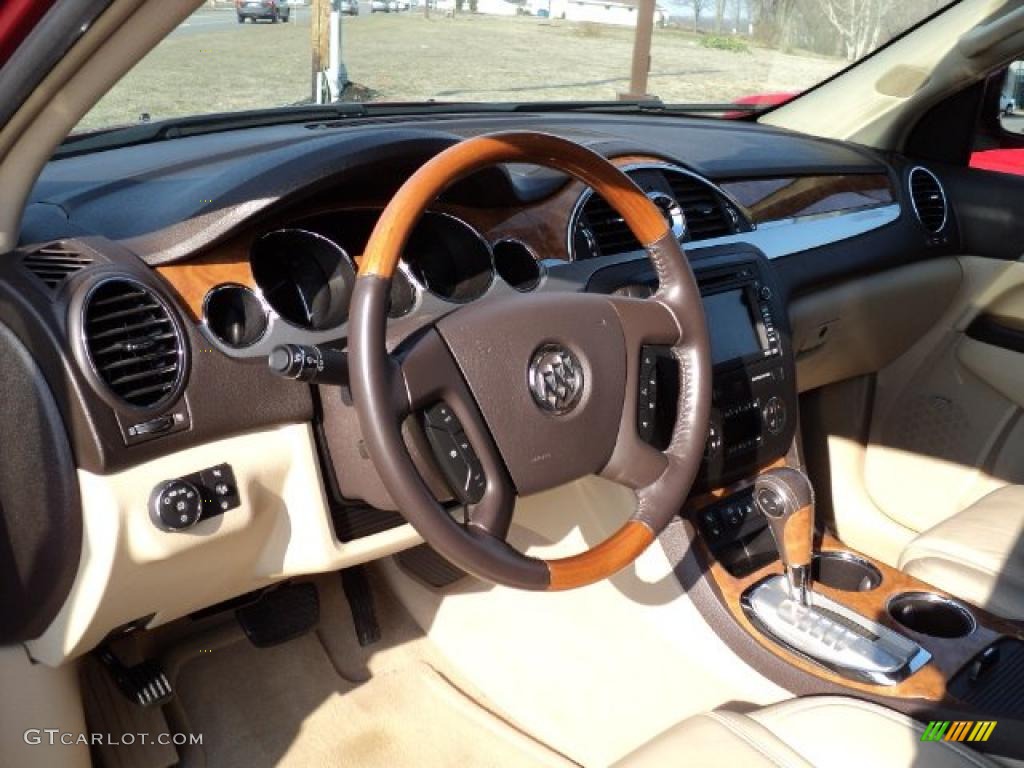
<point>280,615</point>
<point>360,602</point>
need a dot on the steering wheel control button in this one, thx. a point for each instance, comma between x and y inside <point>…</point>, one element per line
<point>175,505</point>
<point>647,400</point>
<point>454,453</point>
<point>555,377</point>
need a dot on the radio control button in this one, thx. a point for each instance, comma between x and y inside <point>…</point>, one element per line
<point>773,415</point>
<point>714,444</point>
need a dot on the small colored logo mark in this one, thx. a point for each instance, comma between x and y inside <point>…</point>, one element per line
<point>959,730</point>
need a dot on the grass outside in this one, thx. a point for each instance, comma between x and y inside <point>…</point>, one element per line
<point>405,57</point>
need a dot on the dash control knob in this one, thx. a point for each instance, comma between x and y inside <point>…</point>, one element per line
<point>175,505</point>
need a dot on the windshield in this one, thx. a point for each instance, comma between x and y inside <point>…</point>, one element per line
<point>258,54</point>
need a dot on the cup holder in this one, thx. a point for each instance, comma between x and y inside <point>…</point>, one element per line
<point>845,571</point>
<point>931,614</point>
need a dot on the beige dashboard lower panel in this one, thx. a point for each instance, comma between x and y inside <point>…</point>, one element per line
<point>862,325</point>
<point>130,569</point>
<point>33,698</point>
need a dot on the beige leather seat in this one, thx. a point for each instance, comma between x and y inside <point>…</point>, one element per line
<point>978,554</point>
<point>826,731</point>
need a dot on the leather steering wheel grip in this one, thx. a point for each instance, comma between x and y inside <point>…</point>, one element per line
<point>664,482</point>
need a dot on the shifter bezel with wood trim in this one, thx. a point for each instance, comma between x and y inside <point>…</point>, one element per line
<point>950,657</point>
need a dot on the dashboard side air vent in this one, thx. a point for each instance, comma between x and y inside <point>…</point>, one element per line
<point>929,199</point>
<point>54,263</point>
<point>706,215</point>
<point>133,342</point>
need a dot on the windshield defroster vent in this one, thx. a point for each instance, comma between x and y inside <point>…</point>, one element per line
<point>133,343</point>
<point>929,199</point>
<point>53,264</point>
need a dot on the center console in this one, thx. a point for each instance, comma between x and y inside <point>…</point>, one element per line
<point>754,400</point>
<point>841,618</point>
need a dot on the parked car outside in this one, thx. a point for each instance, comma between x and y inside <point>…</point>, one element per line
<point>349,7</point>
<point>380,6</point>
<point>272,10</point>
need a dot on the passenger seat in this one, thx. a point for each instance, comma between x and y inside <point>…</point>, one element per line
<point>976,555</point>
<point>811,732</point>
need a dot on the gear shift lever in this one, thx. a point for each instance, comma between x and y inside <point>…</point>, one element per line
<point>786,498</point>
<point>832,634</point>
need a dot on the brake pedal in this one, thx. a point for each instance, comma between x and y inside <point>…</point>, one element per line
<point>145,683</point>
<point>360,601</point>
<point>280,615</point>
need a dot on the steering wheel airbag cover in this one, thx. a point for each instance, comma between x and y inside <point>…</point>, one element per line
<point>493,344</point>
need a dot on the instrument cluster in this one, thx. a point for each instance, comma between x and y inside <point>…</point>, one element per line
<point>304,274</point>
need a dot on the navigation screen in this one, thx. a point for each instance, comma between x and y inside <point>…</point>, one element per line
<point>730,327</point>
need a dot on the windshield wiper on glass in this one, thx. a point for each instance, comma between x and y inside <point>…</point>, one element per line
<point>653,106</point>
<point>174,128</point>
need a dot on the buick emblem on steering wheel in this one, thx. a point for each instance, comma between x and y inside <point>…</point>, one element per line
<point>555,378</point>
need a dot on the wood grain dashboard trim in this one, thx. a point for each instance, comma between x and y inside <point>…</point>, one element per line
<point>789,197</point>
<point>929,683</point>
<point>192,280</point>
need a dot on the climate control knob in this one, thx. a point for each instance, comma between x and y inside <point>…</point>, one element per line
<point>175,505</point>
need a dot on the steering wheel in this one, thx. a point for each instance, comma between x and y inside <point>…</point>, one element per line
<point>544,385</point>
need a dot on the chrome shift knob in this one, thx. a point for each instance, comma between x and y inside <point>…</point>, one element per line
<point>786,499</point>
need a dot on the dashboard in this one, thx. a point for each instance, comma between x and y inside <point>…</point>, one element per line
<point>151,286</point>
<point>290,280</point>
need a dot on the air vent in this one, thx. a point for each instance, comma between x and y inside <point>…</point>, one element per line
<point>53,264</point>
<point>929,199</point>
<point>133,343</point>
<point>611,235</point>
<point>706,216</point>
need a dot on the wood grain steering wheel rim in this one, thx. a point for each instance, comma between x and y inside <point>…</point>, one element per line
<point>455,362</point>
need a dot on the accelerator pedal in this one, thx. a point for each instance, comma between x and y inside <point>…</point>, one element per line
<point>360,601</point>
<point>280,615</point>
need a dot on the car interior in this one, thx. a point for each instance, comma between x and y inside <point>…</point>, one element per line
<point>513,437</point>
